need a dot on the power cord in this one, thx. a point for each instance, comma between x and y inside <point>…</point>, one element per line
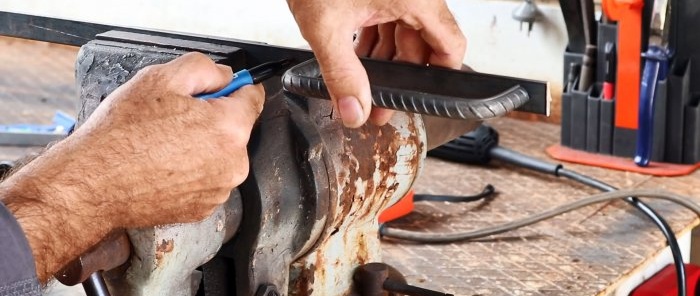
<point>488,190</point>
<point>562,209</point>
<point>558,170</point>
<point>481,146</point>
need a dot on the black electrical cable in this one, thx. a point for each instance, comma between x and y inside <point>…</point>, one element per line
<point>647,211</point>
<point>488,191</point>
<point>561,209</point>
<point>558,170</point>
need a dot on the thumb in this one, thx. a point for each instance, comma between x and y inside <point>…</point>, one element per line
<point>345,78</point>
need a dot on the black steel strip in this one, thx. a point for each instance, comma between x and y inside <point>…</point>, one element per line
<point>50,29</point>
<point>77,33</point>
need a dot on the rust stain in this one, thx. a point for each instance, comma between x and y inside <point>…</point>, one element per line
<point>321,271</point>
<point>367,150</point>
<point>303,283</point>
<point>364,153</point>
<point>362,252</point>
<point>371,149</point>
<point>166,246</point>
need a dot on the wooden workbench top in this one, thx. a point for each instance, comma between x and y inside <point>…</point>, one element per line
<point>586,252</point>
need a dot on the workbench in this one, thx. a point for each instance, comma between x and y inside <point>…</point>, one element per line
<point>587,252</point>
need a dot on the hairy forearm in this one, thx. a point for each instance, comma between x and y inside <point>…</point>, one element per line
<point>45,202</point>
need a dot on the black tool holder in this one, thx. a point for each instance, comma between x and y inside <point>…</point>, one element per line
<point>588,121</point>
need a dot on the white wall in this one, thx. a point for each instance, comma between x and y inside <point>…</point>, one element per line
<point>496,44</point>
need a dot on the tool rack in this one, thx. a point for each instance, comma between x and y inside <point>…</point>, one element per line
<point>609,127</point>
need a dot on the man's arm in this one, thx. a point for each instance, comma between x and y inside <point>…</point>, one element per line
<point>417,31</point>
<point>150,154</point>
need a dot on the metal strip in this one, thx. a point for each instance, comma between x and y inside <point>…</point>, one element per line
<point>47,29</point>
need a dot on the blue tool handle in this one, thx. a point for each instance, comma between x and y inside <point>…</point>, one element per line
<point>240,79</point>
<point>655,70</point>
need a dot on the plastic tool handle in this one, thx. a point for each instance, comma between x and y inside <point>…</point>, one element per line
<point>240,79</point>
<point>304,80</point>
<point>655,70</point>
<point>628,14</point>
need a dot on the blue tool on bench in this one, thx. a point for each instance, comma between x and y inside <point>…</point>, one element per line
<point>37,134</point>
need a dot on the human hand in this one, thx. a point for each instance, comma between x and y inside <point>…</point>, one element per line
<point>416,31</point>
<point>185,154</point>
<point>150,154</point>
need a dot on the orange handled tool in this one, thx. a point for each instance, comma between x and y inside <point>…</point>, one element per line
<point>628,14</point>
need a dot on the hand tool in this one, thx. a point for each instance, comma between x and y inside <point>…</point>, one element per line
<point>589,55</point>
<point>379,278</point>
<point>655,69</point>
<point>36,134</point>
<point>431,90</point>
<point>572,76</point>
<point>590,26</point>
<point>610,66</point>
<point>628,14</point>
<point>245,77</point>
<point>587,68</point>
<point>573,18</point>
<point>87,269</point>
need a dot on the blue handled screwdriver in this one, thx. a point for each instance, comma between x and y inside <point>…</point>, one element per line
<point>656,65</point>
<point>245,77</point>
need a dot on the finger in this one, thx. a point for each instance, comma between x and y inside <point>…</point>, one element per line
<point>410,46</point>
<point>380,116</point>
<point>441,32</point>
<point>252,96</point>
<point>244,106</point>
<point>365,41</point>
<point>343,74</point>
<point>195,73</point>
<point>385,47</point>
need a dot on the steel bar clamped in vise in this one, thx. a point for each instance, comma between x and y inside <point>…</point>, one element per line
<point>431,90</point>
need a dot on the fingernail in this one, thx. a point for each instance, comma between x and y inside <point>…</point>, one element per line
<point>350,111</point>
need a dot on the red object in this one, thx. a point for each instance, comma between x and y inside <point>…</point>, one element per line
<point>608,91</point>
<point>663,283</point>
<point>628,14</point>
<point>619,163</point>
<point>401,208</point>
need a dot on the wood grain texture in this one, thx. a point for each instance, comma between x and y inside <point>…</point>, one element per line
<point>36,79</point>
<point>586,252</point>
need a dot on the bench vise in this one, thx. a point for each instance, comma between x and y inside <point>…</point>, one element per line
<point>305,218</point>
